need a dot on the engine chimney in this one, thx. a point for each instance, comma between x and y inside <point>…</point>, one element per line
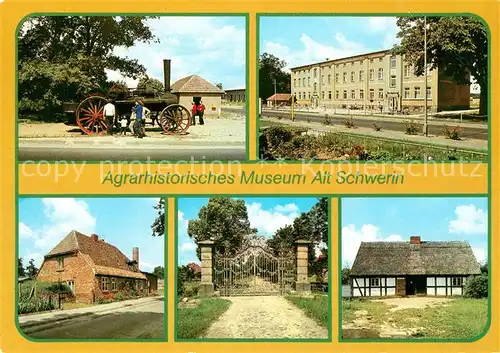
<point>415,240</point>
<point>135,257</point>
<point>94,237</point>
<point>166,74</point>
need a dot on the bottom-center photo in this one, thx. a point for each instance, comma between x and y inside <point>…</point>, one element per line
<point>253,268</point>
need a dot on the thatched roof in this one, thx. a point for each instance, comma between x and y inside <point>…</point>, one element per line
<point>404,258</point>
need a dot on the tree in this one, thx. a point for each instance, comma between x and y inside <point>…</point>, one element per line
<point>158,226</point>
<point>476,287</point>
<point>219,85</point>
<point>159,271</point>
<point>457,45</point>
<point>31,269</point>
<point>484,268</point>
<point>270,69</point>
<point>69,55</point>
<point>223,220</point>
<point>346,275</point>
<point>150,86</point>
<point>20,267</point>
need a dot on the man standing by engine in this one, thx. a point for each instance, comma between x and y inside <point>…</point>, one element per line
<point>138,119</point>
<point>109,115</point>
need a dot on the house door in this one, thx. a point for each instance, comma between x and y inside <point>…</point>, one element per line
<point>400,286</point>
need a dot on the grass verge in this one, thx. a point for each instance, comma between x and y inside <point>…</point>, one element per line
<point>315,307</point>
<point>193,322</point>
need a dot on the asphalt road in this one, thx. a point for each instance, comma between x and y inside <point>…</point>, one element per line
<point>136,321</point>
<point>478,133</point>
<point>54,152</point>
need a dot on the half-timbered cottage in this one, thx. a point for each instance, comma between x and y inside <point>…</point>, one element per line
<point>412,268</point>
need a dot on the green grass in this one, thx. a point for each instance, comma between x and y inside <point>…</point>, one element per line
<point>193,322</point>
<point>458,319</point>
<point>315,307</point>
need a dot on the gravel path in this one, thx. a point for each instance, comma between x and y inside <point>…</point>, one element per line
<point>264,317</point>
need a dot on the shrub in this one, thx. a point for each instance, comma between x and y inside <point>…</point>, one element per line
<point>349,123</point>
<point>191,292</point>
<point>277,135</point>
<point>453,132</point>
<point>118,297</point>
<point>308,119</point>
<point>477,287</point>
<point>377,127</point>
<point>411,127</point>
<point>35,305</point>
<point>327,120</point>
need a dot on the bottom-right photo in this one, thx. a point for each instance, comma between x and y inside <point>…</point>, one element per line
<point>414,268</point>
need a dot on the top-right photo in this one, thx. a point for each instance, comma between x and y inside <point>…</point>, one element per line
<point>361,88</point>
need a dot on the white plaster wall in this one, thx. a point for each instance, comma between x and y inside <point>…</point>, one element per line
<point>441,291</point>
<point>375,292</point>
<point>391,291</point>
<point>441,281</point>
<point>456,291</point>
<point>430,281</point>
<point>391,282</point>
<point>430,291</point>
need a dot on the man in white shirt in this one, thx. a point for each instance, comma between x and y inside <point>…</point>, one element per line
<point>109,115</point>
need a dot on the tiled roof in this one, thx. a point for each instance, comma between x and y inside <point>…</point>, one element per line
<point>195,267</point>
<point>101,256</point>
<point>194,84</point>
<point>280,97</point>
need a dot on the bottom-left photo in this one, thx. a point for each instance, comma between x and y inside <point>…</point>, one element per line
<point>91,268</point>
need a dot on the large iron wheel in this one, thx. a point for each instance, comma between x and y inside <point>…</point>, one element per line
<point>90,115</point>
<point>175,119</point>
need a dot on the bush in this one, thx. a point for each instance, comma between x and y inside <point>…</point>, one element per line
<point>327,120</point>
<point>118,297</point>
<point>277,135</point>
<point>377,127</point>
<point>349,123</point>
<point>411,127</point>
<point>476,287</point>
<point>191,292</point>
<point>35,305</point>
<point>453,132</point>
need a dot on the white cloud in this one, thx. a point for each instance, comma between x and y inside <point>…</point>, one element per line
<point>196,45</point>
<point>62,216</point>
<point>290,207</point>
<point>352,238</point>
<point>146,266</point>
<point>35,256</point>
<point>188,246</point>
<point>269,221</point>
<point>382,24</point>
<point>481,254</point>
<point>182,222</point>
<point>469,220</point>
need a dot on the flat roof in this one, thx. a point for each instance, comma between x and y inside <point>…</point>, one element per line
<point>339,59</point>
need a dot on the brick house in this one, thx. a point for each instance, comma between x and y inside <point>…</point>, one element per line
<point>93,269</point>
<point>194,88</point>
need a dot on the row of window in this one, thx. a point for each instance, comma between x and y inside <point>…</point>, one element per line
<point>109,284</point>
<point>361,78</point>
<point>361,94</point>
<point>455,282</point>
<point>351,63</point>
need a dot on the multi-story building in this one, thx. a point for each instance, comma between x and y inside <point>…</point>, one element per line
<point>375,81</point>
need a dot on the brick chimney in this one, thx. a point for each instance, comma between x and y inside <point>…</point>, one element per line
<point>135,257</point>
<point>94,237</point>
<point>415,240</point>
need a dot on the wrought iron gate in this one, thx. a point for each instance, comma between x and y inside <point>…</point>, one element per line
<point>254,270</point>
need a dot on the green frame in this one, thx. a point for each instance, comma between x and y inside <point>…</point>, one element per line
<point>410,340</point>
<point>243,340</point>
<point>64,340</point>
<point>388,14</point>
<point>131,14</point>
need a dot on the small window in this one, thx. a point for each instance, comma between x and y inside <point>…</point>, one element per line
<point>372,93</point>
<point>371,60</point>
<point>330,95</point>
<point>322,78</point>
<point>315,87</point>
<point>407,92</point>
<point>113,283</point>
<point>393,81</point>
<point>416,93</point>
<point>300,95</point>
<point>322,94</point>
<point>353,94</point>
<point>352,76</point>
<point>372,74</point>
<point>381,93</point>
<point>71,285</point>
<point>361,76</point>
<point>337,94</point>
<point>329,78</point>
<point>104,284</point>
<point>308,94</point>
<point>407,71</point>
<point>345,94</point>
<point>361,94</point>
<point>429,93</point>
<point>380,74</point>
<point>304,82</point>
<point>336,78</point>
<point>379,60</point>
<point>456,281</point>
<point>308,82</point>
<point>374,282</point>
<point>393,62</point>
<point>345,77</point>
<point>315,73</point>
<point>60,263</point>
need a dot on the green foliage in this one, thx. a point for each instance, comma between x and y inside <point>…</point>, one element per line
<point>31,270</point>
<point>484,268</point>
<point>34,305</point>
<point>180,281</point>
<point>20,267</point>
<point>477,287</point>
<point>118,91</point>
<point>315,307</point>
<point>159,271</point>
<point>158,226</point>
<point>327,120</point>
<point>453,132</point>
<point>457,45</point>
<point>150,86</point>
<point>271,69</point>
<point>346,273</point>
<point>377,127</point>
<point>193,322</point>
<point>349,123</point>
<point>411,127</point>
<point>62,58</point>
<point>223,220</point>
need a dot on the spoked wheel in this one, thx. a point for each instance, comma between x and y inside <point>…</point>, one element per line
<point>175,119</point>
<point>90,115</point>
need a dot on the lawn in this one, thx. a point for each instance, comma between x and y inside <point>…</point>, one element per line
<point>193,322</point>
<point>315,307</point>
<point>457,319</point>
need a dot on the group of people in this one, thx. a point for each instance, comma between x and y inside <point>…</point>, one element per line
<point>198,109</point>
<point>138,117</point>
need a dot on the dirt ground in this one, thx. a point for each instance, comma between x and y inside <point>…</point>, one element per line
<point>412,302</point>
<point>264,317</point>
<point>224,129</point>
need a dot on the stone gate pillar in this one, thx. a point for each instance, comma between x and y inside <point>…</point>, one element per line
<point>207,284</point>
<point>302,286</point>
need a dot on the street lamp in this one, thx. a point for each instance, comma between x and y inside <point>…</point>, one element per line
<point>274,81</point>
<point>425,71</point>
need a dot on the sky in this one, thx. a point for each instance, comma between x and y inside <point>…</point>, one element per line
<point>122,222</point>
<point>211,47</point>
<point>396,219</point>
<point>309,39</point>
<point>265,214</point>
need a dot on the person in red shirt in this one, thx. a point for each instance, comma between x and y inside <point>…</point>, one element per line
<point>194,111</point>
<point>200,111</point>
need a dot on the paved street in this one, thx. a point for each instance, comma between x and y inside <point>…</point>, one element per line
<point>142,319</point>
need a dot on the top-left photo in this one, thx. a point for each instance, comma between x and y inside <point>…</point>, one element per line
<point>132,88</point>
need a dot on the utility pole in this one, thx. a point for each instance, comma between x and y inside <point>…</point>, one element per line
<point>274,93</point>
<point>425,71</point>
